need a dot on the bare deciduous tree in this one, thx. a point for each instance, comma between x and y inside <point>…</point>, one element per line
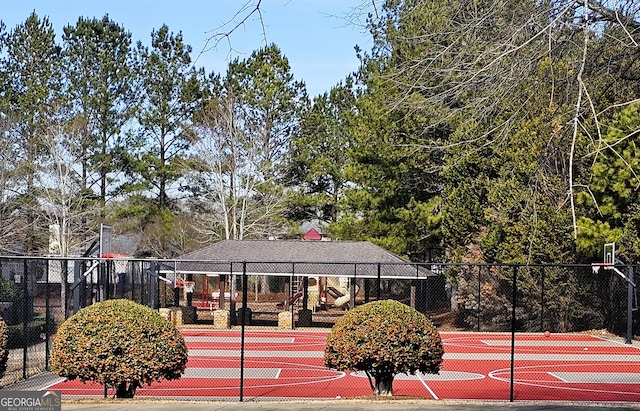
<point>62,203</point>
<point>227,174</point>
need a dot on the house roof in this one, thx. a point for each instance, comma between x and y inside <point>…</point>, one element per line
<point>318,258</point>
<point>312,235</point>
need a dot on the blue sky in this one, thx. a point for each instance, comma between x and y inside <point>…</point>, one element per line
<point>313,34</point>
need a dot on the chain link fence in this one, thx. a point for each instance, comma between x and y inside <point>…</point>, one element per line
<point>37,294</point>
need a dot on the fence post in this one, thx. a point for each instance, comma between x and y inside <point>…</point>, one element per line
<point>64,287</point>
<point>513,330</point>
<point>630,294</point>
<point>25,315</point>
<point>138,267</point>
<point>242,326</point>
<point>47,317</point>
<point>290,297</point>
<point>479,294</point>
<point>542,275</point>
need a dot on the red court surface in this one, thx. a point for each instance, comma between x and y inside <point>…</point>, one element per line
<point>288,364</point>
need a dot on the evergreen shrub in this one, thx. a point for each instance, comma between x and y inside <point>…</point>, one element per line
<point>120,344</point>
<point>384,338</point>
<point>4,347</point>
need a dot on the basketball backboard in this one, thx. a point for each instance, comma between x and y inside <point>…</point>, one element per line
<point>609,255</point>
<point>106,233</point>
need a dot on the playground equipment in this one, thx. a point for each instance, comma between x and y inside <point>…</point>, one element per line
<point>292,300</point>
<point>340,298</point>
<point>318,289</point>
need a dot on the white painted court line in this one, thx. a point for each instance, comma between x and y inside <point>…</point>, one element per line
<point>542,357</point>
<point>550,343</point>
<point>553,374</point>
<point>433,394</point>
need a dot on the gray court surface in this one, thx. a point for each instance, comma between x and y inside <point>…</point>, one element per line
<point>441,376</point>
<point>447,356</point>
<point>219,373</point>
<point>221,339</point>
<point>257,353</point>
<point>597,377</point>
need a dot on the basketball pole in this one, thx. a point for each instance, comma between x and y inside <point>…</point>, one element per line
<point>631,286</point>
<point>610,262</point>
<point>630,294</point>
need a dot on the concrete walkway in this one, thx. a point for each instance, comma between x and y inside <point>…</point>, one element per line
<point>338,405</point>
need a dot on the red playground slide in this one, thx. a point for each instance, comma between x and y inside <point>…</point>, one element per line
<point>333,292</point>
<point>292,300</point>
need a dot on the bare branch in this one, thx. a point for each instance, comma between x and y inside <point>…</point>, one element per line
<point>253,8</point>
<point>248,9</point>
<point>576,121</point>
<point>612,15</point>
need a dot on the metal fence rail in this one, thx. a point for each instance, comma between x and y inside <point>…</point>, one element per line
<point>37,294</point>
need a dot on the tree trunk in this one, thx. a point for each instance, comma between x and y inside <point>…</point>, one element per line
<point>384,384</point>
<point>123,391</point>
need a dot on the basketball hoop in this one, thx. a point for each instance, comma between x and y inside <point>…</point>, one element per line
<point>597,266</point>
<point>187,285</point>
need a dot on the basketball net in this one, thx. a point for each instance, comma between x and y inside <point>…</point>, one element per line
<point>597,266</point>
<point>188,286</point>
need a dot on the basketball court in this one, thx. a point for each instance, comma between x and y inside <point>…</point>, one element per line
<point>289,365</point>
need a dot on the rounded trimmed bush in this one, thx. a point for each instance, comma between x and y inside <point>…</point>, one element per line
<point>384,338</point>
<point>4,347</point>
<point>121,344</point>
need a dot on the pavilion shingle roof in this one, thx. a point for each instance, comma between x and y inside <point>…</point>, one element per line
<point>279,257</point>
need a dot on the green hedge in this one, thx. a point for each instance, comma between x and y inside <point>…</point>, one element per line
<point>20,337</point>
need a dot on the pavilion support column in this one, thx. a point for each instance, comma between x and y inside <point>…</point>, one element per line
<point>352,292</point>
<point>413,295</point>
<point>287,295</point>
<point>305,314</point>
<point>232,301</point>
<point>222,283</point>
<point>189,296</point>
<point>367,290</point>
<point>305,295</point>
<point>378,284</point>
